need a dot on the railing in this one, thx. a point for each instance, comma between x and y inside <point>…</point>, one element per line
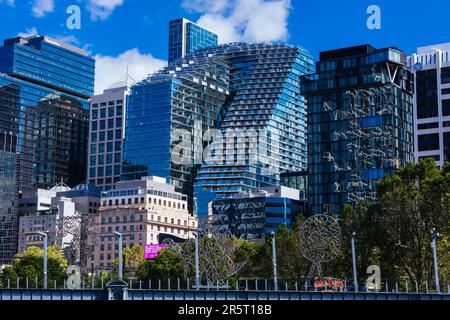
<point>94,283</point>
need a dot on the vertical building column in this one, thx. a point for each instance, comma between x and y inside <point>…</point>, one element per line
<point>438,55</point>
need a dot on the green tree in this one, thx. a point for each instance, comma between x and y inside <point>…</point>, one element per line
<point>395,232</point>
<point>133,258</point>
<point>30,264</point>
<point>166,265</point>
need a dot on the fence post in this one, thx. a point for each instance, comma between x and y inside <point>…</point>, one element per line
<point>256,284</point>
<point>396,287</point>
<point>306,285</point>
<point>9,283</point>
<point>17,282</point>
<point>102,283</point>
<point>36,281</point>
<point>296,286</point>
<point>187,281</point>
<point>286,286</point>
<point>237,285</point>
<point>265,284</point>
<point>426,286</point>
<point>178,284</point>
<point>149,284</point>
<point>168,283</point>
<point>140,284</point>
<point>64,284</point>
<point>246,284</point>
<point>93,282</point>
<point>159,284</point>
<point>54,284</point>
<point>407,287</point>
<point>387,287</point>
<point>26,283</point>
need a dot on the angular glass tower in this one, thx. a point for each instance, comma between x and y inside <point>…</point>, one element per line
<point>185,37</point>
<point>360,124</point>
<point>167,116</point>
<point>44,91</point>
<point>241,89</point>
<point>263,133</point>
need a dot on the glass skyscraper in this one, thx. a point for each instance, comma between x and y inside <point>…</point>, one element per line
<point>44,91</point>
<point>185,37</point>
<point>167,117</point>
<point>360,124</point>
<point>263,132</point>
<point>248,91</point>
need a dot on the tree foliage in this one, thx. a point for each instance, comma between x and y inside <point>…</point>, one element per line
<point>30,264</point>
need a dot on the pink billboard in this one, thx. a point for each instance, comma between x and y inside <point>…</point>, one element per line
<point>151,250</point>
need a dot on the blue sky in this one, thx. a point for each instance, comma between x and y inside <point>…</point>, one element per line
<point>133,33</point>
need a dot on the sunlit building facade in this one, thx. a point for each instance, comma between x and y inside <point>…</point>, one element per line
<point>431,65</point>
<point>141,210</point>
<point>106,135</point>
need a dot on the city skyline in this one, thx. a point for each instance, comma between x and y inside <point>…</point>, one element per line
<point>296,22</point>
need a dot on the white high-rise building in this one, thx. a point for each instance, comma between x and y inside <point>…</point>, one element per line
<point>106,135</point>
<point>431,65</point>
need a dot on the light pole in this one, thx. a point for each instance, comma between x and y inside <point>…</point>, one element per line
<point>274,258</point>
<point>197,272</point>
<point>120,254</point>
<point>355,275</point>
<point>44,234</point>
<point>435,235</point>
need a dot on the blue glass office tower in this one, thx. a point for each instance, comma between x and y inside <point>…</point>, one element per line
<point>185,37</point>
<point>249,91</point>
<point>167,117</point>
<point>44,91</point>
<point>263,133</point>
<point>360,124</point>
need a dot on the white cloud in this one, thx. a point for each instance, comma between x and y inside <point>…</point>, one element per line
<point>243,20</point>
<point>102,9</point>
<point>42,7</point>
<point>28,32</point>
<point>112,69</point>
<point>206,5</point>
<point>68,39</point>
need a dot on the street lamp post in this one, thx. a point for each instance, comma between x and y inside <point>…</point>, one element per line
<point>355,275</point>
<point>274,255</point>
<point>435,235</point>
<point>44,234</point>
<point>120,254</point>
<point>197,271</point>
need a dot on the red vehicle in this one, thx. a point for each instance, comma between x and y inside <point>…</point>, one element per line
<point>329,284</point>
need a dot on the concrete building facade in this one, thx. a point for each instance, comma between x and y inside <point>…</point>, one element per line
<point>141,210</point>
<point>431,65</point>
